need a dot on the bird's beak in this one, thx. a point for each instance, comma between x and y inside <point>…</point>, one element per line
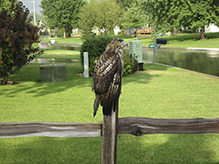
<point>125,44</point>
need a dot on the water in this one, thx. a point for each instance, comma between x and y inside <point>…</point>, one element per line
<point>53,60</point>
<point>197,60</point>
<point>60,46</point>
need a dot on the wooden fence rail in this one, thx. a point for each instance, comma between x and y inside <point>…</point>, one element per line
<point>130,125</point>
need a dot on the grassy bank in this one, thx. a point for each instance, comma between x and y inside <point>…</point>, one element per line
<point>157,92</point>
<point>182,40</point>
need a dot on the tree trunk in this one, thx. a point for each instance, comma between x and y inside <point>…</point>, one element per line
<point>5,79</point>
<point>136,34</point>
<point>64,32</point>
<point>202,32</point>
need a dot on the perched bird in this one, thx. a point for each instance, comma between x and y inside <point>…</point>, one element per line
<point>107,77</point>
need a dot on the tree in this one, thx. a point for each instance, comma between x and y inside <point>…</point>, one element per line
<point>4,4</point>
<point>102,14</point>
<point>180,13</point>
<point>62,13</point>
<point>134,17</point>
<point>16,40</point>
<point>126,3</point>
<point>87,17</point>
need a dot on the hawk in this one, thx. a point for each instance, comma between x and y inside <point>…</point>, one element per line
<point>107,77</point>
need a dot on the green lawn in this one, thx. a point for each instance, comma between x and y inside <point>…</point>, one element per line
<point>157,92</point>
<point>73,40</point>
<point>182,40</point>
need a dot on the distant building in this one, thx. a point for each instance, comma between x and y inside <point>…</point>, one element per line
<point>211,28</point>
<point>116,30</point>
<point>97,31</point>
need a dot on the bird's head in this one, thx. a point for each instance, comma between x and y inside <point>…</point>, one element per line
<point>116,45</point>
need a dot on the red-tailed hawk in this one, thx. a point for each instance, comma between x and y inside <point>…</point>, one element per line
<point>107,77</point>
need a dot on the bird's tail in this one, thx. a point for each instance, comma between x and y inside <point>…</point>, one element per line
<point>111,106</point>
<point>96,104</point>
<point>107,110</point>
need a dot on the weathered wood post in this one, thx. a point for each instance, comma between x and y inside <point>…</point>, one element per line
<point>109,141</point>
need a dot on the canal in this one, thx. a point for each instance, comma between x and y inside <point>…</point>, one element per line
<point>205,61</point>
<point>200,60</point>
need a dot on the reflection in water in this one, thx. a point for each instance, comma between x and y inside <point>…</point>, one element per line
<point>53,61</point>
<point>196,60</point>
<point>201,61</point>
<point>60,46</point>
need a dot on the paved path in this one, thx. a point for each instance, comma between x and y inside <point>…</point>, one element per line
<point>203,49</point>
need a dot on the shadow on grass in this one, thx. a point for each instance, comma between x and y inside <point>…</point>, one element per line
<point>28,80</point>
<point>51,150</point>
<point>180,149</point>
<point>143,77</point>
<point>41,89</point>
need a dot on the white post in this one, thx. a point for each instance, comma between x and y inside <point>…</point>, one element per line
<point>86,65</point>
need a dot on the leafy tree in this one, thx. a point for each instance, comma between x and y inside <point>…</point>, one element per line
<point>134,17</point>
<point>4,4</point>
<point>62,13</point>
<point>16,40</point>
<point>126,3</point>
<point>102,14</point>
<point>87,17</point>
<point>180,13</point>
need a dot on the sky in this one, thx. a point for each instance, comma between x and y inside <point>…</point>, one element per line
<point>29,5</point>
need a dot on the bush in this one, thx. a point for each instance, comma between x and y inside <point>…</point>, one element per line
<point>130,64</point>
<point>18,40</point>
<point>212,35</point>
<point>96,45</point>
<point>58,32</point>
<point>121,33</point>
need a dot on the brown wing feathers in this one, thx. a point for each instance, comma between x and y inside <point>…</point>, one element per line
<point>107,78</point>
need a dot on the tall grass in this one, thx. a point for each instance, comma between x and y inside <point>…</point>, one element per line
<point>157,92</point>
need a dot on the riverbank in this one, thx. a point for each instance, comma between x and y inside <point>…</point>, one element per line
<point>162,47</point>
<point>189,48</point>
<point>176,41</point>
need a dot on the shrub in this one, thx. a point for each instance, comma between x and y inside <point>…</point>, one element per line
<point>96,45</point>
<point>121,33</point>
<point>130,64</point>
<point>18,40</point>
<point>212,35</point>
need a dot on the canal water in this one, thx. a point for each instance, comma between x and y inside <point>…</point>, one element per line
<point>204,61</point>
<point>53,61</point>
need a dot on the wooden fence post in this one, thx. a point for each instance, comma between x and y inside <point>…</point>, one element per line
<point>109,142</point>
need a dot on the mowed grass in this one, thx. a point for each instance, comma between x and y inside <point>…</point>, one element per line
<point>157,92</point>
<point>75,40</point>
<point>181,40</point>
